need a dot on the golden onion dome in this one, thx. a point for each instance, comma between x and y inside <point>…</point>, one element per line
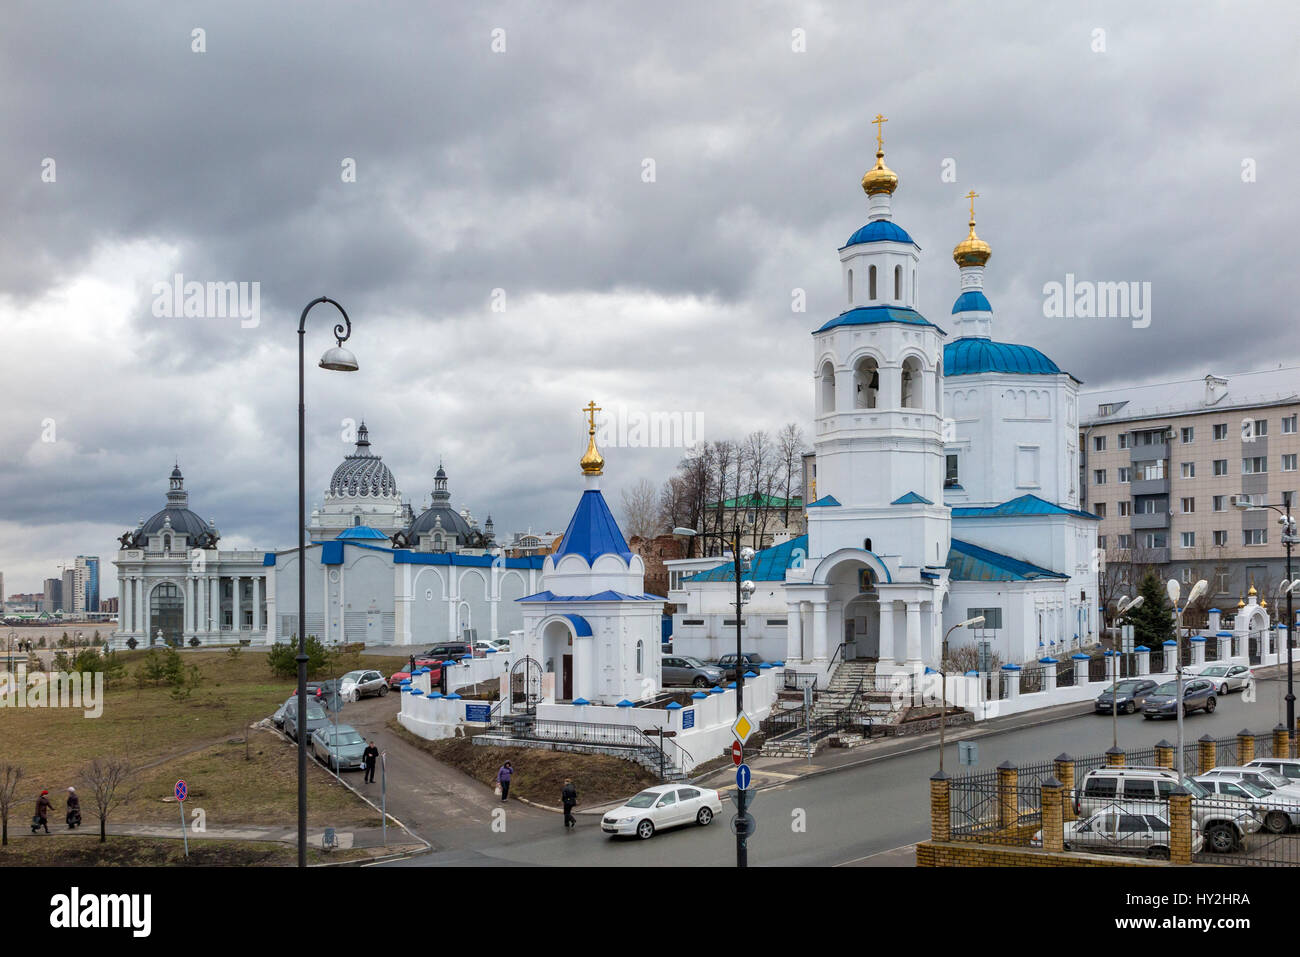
<point>1241,603</point>
<point>880,178</point>
<point>592,462</point>
<point>1252,589</point>
<point>971,251</point>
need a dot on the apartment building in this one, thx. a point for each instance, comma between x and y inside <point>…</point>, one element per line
<point>1161,465</point>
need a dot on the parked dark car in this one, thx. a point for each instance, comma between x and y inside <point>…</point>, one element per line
<point>316,717</point>
<point>1198,695</point>
<point>451,649</point>
<point>727,664</point>
<point>1130,692</point>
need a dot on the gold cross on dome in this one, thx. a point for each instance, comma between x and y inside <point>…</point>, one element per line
<point>591,409</point>
<point>972,196</point>
<point>880,138</point>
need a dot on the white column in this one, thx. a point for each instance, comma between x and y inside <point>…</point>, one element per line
<point>143,606</point>
<point>793,630</point>
<point>257,603</point>
<point>235,616</point>
<point>887,632</point>
<point>214,603</point>
<point>819,629</point>
<point>914,633</point>
<point>125,608</point>
<point>187,591</point>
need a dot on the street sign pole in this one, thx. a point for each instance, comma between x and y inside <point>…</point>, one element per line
<point>383,791</point>
<point>181,792</point>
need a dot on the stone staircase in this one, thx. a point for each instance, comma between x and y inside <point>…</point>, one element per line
<point>835,697</point>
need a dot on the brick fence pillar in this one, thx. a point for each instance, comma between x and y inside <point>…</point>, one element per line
<point>1164,754</point>
<point>1281,746</point>
<point>1245,747</point>
<point>1180,826</point>
<point>1053,820</point>
<point>1115,758</point>
<point>1063,770</point>
<point>1205,749</point>
<point>1008,797</point>
<point>940,807</point>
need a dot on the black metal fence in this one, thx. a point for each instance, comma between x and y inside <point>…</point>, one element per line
<point>799,680</point>
<point>983,812</point>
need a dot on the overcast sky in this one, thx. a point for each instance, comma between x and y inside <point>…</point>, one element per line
<point>1112,155</point>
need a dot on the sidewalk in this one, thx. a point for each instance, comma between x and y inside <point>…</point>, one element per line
<point>354,838</point>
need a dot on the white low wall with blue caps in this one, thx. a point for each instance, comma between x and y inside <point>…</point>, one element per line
<point>468,671</point>
<point>430,714</point>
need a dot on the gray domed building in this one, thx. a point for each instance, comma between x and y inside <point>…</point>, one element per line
<point>440,528</point>
<point>362,492</point>
<point>175,585</point>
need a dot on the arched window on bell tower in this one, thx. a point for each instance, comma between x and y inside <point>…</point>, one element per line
<point>911,391</point>
<point>866,383</point>
<point>871,283</point>
<point>828,387</point>
<point>898,283</point>
<point>850,287</point>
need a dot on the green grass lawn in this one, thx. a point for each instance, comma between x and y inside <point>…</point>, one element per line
<point>84,850</point>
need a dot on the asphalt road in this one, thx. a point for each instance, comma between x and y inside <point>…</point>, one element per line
<point>843,817</point>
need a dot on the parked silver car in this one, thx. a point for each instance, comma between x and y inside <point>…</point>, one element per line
<point>684,670</point>
<point>362,684</point>
<point>1277,808</point>
<point>1127,830</point>
<point>315,714</point>
<point>338,749</point>
<point>1227,677</point>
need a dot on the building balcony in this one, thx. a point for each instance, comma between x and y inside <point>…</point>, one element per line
<point>1148,453</point>
<point>1147,520</point>
<point>1153,486</point>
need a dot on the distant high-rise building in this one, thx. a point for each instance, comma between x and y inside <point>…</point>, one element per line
<point>71,576</point>
<point>53,595</point>
<point>2,593</point>
<point>88,565</point>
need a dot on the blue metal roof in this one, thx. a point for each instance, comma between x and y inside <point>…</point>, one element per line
<point>911,498</point>
<point>875,315</point>
<point>362,532</point>
<point>967,562</point>
<point>971,301</point>
<point>880,231</point>
<point>826,501</point>
<point>1024,505</point>
<point>581,628</point>
<point>607,595</point>
<point>404,556</point>
<point>769,564</point>
<point>592,531</point>
<point>970,356</point>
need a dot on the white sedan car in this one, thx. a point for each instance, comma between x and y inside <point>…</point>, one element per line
<point>1227,677</point>
<point>666,805</point>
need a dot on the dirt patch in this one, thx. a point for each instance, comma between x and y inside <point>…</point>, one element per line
<point>539,775</point>
<point>86,851</point>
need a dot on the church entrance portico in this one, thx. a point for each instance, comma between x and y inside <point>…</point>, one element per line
<point>557,655</point>
<point>166,614</point>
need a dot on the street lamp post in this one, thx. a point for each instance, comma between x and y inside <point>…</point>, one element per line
<point>1289,539</point>
<point>943,680</point>
<point>1125,606</point>
<point>1174,590</point>
<point>340,360</point>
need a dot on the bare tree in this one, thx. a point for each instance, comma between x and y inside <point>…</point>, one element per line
<point>789,444</point>
<point>641,509</point>
<point>106,778</point>
<point>10,775</point>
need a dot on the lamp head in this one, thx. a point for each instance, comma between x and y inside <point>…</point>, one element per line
<point>339,359</point>
<point>1174,590</point>
<point>972,622</point>
<point>687,532</point>
<point>747,588</point>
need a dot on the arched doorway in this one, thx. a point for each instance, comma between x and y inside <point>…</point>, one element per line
<point>853,591</point>
<point>557,656</point>
<point>166,614</point>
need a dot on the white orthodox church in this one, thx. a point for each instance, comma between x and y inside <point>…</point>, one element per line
<point>945,484</point>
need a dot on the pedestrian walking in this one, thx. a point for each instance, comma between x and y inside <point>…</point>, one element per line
<point>569,798</point>
<point>370,755</point>
<point>41,819</point>
<point>504,775</point>
<point>74,809</point>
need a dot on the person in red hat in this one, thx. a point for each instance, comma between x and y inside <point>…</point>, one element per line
<point>41,820</point>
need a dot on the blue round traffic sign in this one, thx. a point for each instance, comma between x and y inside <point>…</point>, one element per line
<point>743,777</point>
<point>181,790</point>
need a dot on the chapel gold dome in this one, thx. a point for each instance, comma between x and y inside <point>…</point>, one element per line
<point>880,178</point>
<point>971,251</point>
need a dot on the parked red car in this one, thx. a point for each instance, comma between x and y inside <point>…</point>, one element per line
<point>435,673</point>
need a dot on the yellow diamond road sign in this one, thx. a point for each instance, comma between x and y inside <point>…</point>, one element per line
<point>742,728</point>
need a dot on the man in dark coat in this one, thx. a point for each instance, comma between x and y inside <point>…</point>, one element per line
<point>370,755</point>
<point>569,798</point>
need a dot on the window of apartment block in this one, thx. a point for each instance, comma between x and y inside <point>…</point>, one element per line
<point>1125,541</point>
<point>1099,443</point>
<point>1154,469</point>
<point>1188,434</point>
<point>1221,537</point>
<point>1098,476</point>
<point>1220,581</point>
<point>1125,473</point>
<point>1219,501</point>
<point>1261,427</point>
<point>1254,465</point>
<point>1123,440</point>
<point>1187,575</point>
<point>1125,509</point>
<point>1220,466</point>
<point>1189,506</point>
<point>1187,539</point>
<point>1155,540</point>
<point>1254,536</point>
<point>1289,424</point>
<point>1220,432</point>
<point>1150,506</point>
<point>1288,462</point>
<point>1189,470</point>
<point>1099,509</point>
<point>1101,542</point>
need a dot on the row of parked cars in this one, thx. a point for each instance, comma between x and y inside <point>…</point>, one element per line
<point>1202,689</point>
<point>1126,808</point>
